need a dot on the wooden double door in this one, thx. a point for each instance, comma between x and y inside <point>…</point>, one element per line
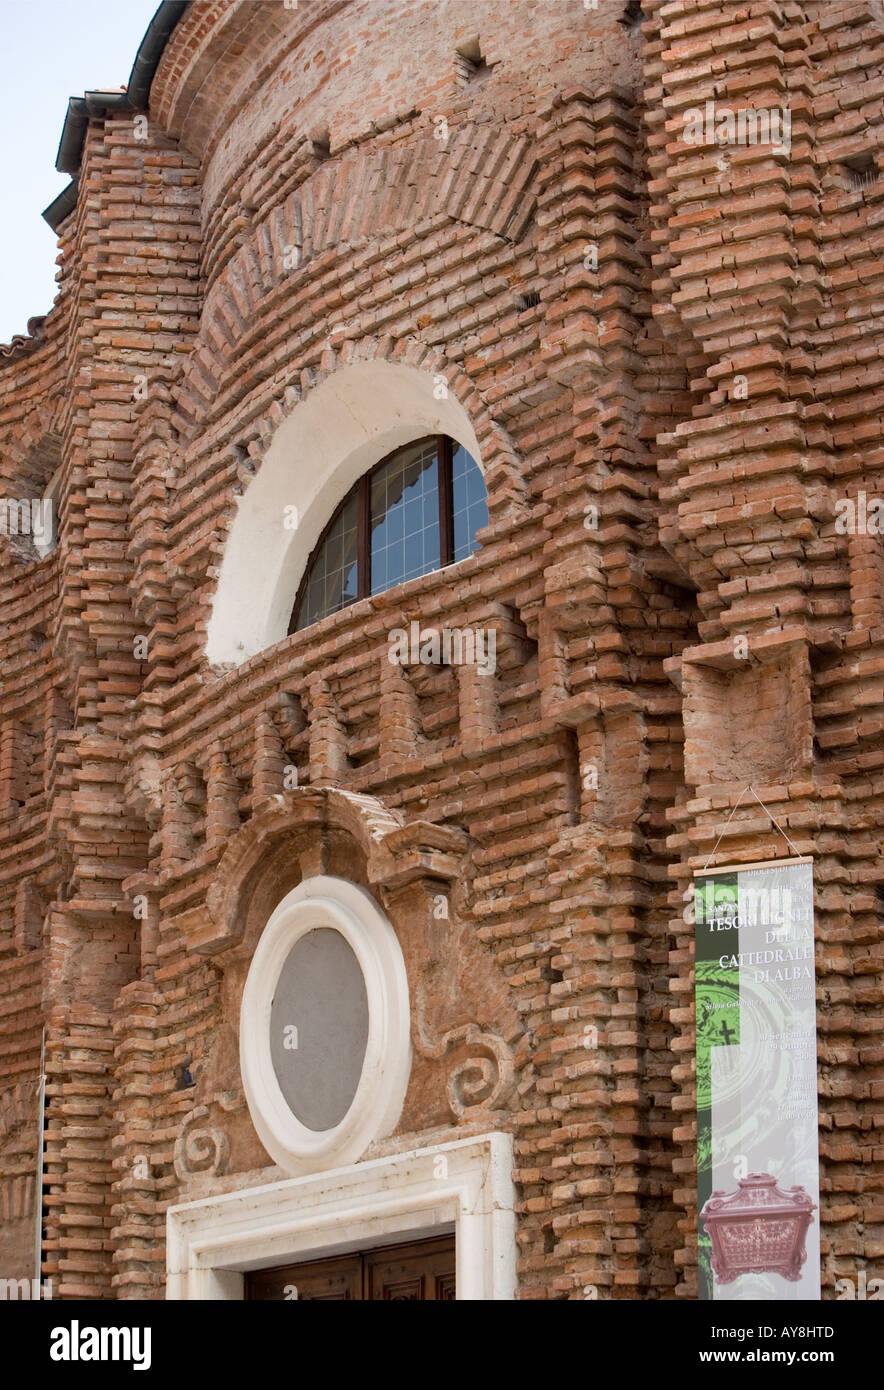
<point>417,1273</point>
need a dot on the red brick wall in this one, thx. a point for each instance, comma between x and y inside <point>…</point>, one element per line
<point>666,435</point>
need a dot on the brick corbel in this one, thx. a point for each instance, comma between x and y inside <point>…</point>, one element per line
<point>415,852</point>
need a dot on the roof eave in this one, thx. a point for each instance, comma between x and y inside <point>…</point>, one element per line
<point>136,97</point>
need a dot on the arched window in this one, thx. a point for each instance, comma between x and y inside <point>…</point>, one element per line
<point>417,510</point>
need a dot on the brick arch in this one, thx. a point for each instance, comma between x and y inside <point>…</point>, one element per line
<point>236,77</point>
<point>497,455</point>
<point>482,176</point>
<point>488,187</point>
<point>253,868</point>
<point>335,426</point>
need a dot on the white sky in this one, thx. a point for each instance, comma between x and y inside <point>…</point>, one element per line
<point>49,50</point>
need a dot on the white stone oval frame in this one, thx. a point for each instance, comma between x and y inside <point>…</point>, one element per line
<point>325,901</point>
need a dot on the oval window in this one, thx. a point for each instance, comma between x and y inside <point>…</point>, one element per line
<point>325,1048</point>
<point>319,1028</point>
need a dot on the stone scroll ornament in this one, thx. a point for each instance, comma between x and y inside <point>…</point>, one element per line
<point>481,1081</point>
<point>205,1150</point>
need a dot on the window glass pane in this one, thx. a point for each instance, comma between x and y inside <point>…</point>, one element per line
<point>469,503</point>
<point>405,529</point>
<point>405,517</point>
<point>332,579</point>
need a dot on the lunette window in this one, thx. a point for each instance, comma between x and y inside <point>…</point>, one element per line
<point>416,511</point>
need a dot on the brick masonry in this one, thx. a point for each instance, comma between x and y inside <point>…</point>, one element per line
<point>667,423</point>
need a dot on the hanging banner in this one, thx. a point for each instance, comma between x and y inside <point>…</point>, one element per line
<point>757,1138</point>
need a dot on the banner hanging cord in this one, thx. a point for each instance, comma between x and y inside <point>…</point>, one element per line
<point>749,788</point>
<point>793,847</point>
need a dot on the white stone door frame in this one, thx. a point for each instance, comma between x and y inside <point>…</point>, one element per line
<point>465,1186</point>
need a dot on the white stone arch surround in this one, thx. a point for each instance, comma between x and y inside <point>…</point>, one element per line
<point>347,423</point>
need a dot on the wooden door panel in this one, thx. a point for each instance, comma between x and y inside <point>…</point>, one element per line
<point>421,1273</point>
<point>417,1273</point>
<point>338,1280</point>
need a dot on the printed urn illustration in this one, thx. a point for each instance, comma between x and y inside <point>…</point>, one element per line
<point>758,1229</point>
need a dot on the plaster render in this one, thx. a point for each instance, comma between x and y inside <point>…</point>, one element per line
<point>347,424</point>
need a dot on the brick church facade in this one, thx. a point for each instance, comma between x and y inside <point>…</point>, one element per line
<point>304,237</point>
